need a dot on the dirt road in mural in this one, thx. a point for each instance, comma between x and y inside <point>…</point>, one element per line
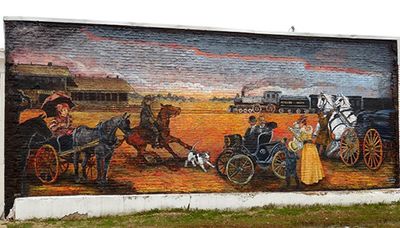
<point>207,128</point>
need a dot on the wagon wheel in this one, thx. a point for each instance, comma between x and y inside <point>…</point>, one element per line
<point>279,165</point>
<point>47,164</point>
<point>240,169</point>
<point>64,165</point>
<point>257,108</point>
<point>349,147</point>
<point>281,110</point>
<point>222,160</point>
<point>270,108</point>
<point>91,168</point>
<point>298,111</point>
<point>373,149</point>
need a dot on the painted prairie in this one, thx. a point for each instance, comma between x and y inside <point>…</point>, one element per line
<point>205,123</point>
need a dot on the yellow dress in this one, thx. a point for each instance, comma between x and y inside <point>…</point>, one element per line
<point>311,171</point>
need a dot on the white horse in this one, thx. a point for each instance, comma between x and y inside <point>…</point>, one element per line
<point>341,119</point>
<point>344,106</point>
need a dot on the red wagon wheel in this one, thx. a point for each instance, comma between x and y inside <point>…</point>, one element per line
<point>373,149</point>
<point>47,164</point>
<point>349,147</point>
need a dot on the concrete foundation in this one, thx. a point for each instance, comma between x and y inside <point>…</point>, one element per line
<point>93,206</point>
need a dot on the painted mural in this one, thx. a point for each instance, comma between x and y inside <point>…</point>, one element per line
<point>97,109</point>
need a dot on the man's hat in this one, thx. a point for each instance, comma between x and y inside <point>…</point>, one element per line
<point>252,119</point>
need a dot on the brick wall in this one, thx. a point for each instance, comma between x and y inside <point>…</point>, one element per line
<point>193,75</point>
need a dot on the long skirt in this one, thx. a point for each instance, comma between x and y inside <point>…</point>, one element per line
<point>311,171</point>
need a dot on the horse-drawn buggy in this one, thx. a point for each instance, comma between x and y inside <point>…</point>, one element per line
<point>367,132</point>
<point>238,159</point>
<point>53,156</point>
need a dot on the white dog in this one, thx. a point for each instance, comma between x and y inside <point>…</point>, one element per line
<point>197,158</point>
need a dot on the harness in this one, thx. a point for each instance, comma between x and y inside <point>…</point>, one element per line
<point>344,119</point>
<point>326,102</point>
<point>108,139</point>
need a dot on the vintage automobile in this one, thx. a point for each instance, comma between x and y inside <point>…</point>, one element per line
<point>238,159</point>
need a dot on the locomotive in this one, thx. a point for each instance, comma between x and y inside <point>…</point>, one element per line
<point>274,101</point>
<point>271,102</point>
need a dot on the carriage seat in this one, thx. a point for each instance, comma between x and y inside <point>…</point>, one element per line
<point>61,143</point>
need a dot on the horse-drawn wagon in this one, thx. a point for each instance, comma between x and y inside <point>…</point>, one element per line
<point>237,160</point>
<point>367,132</point>
<point>373,132</point>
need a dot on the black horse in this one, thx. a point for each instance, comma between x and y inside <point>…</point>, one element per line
<point>27,135</point>
<point>105,133</point>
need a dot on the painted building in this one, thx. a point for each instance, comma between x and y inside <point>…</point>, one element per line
<point>102,91</point>
<point>39,81</point>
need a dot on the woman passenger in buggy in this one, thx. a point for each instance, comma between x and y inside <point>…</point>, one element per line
<point>61,126</point>
<point>62,123</point>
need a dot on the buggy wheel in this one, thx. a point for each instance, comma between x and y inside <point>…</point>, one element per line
<point>279,165</point>
<point>64,165</point>
<point>91,168</point>
<point>240,169</point>
<point>281,110</point>
<point>47,164</point>
<point>298,111</point>
<point>349,147</point>
<point>373,149</point>
<point>222,160</point>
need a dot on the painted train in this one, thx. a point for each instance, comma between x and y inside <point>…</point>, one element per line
<point>275,102</point>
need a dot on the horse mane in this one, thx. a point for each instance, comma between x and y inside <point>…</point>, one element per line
<point>160,115</point>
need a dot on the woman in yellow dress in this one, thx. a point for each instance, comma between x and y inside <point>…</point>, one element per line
<point>311,171</point>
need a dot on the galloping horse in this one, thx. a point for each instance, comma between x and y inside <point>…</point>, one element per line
<point>341,119</point>
<point>139,138</point>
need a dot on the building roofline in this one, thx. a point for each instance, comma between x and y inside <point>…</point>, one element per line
<point>196,28</point>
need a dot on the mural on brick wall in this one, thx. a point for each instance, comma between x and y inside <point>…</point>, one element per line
<point>96,109</point>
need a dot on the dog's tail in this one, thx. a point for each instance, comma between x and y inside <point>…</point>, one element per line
<point>194,146</point>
